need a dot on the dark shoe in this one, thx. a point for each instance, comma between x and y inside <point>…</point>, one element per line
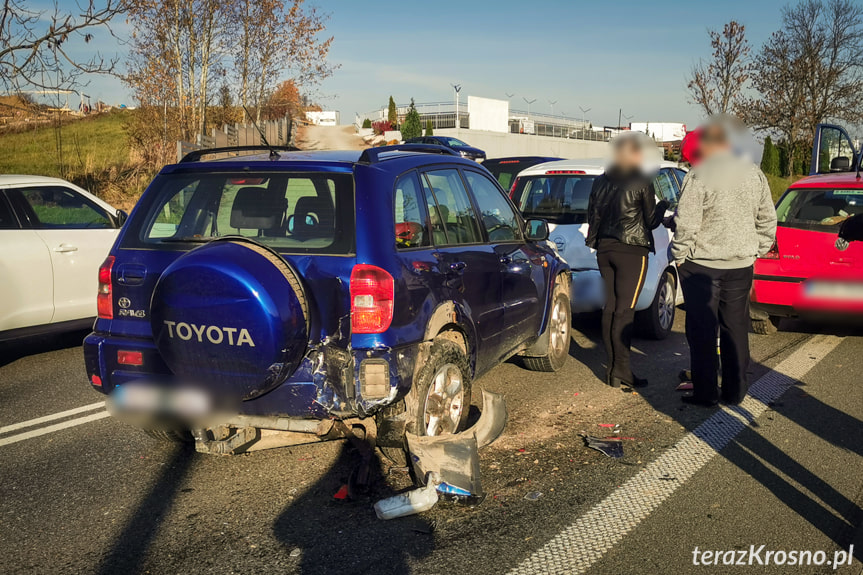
<point>731,401</point>
<point>684,375</point>
<point>613,381</point>
<point>693,400</point>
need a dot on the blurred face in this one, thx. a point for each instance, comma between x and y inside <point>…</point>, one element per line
<point>713,140</point>
<point>628,155</point>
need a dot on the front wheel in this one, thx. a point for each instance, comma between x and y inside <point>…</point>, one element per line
<point>559,326</point>
<point>657,320</point>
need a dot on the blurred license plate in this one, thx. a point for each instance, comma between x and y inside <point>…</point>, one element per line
<point>846,291</point>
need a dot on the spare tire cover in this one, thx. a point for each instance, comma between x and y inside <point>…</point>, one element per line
<point>232,316</point>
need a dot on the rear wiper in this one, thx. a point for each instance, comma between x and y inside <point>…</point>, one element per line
<point>189,239</point>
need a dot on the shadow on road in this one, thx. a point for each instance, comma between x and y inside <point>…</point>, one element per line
<point>831,512</point>
<point>16,349</point>
<point>131,545</point>
<point>336,536</point>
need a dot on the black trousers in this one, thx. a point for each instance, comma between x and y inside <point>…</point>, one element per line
<point>717,300</point>
<point>623,269</point>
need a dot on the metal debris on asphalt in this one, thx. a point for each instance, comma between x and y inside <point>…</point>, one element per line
<point>533,495</point>
<point>611,447</point>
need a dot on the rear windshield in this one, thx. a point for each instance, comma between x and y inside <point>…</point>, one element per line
<point>560,199</point>
<point>506,171</point>
<point>818,209</point>
<point>288,211</point>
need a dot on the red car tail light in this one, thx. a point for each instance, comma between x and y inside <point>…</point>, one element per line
<point>773,254</point>
<point>559,172</point>
<point>372,293</point>
<point>104,299</point>
<point>135,358</point>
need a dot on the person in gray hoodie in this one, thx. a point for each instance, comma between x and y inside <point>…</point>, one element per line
<point>725,220</point>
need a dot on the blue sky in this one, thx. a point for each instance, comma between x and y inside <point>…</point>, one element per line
<point>600,55</point>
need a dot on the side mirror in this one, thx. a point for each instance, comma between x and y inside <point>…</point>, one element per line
<point>121,218</point>
<point>536,230</point>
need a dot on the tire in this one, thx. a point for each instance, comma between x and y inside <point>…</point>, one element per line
<point>433,395</point>
<point>657,321</point>
<point>170,435</point>
<point>559,327</point>
<point>767,326</point>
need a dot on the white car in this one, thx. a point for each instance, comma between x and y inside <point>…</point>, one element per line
<point>53,238</point>
<point>558,192</point>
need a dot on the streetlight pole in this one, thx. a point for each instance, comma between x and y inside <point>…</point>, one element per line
<point>529,102</point>
<point>457,88</point>
<point>583,112</point>
<point>552,102</point>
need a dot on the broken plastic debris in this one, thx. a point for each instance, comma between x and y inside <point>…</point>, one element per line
<point>448,489</point>
<point>296,552</point>
<point>342,493</point>
<point>611,447</point>
<point>409,502</point>
<point>533,495</point>
<point>606,424</point>
<point>685,386</point>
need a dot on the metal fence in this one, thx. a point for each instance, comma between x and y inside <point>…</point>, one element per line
<point>277,132</point>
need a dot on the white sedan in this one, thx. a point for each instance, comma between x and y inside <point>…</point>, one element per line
<point>53,238</point>
<point>558,192</point>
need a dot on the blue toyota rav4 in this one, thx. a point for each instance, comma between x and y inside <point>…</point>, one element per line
<point>294,290</point>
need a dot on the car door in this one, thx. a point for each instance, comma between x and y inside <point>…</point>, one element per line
<point>832,151</point>
<point>523,277</point>
<point>27,285</point>
<point>470,267</point>
<point>79,233</point>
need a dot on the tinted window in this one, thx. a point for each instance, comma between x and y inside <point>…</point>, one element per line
<point>8,221</point>
<point>453,219</point>
<point>666,187</point>
<point>298,212</point>
<point>409,218</point>
<point>559,199</point>
<point>497,216</point>
<point>56,207</point>
<point>818,209</point>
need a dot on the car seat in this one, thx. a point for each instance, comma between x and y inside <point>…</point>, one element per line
<point>258,209</point>
<point>313,218</point>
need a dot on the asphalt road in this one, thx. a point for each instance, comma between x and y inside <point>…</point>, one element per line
<point>83,493</point>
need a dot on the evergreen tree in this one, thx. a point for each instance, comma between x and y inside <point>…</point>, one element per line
<point>770,158</point>
<point>412,127</point>
<point>393,114</point>
<point>429,129</point>
<point>367,123</point>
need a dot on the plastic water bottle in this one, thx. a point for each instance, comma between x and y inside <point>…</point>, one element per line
<point>408,503</point>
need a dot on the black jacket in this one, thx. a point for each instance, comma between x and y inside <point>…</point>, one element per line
<point>623,207</point>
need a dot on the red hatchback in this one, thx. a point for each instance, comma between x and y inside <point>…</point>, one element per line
<point>805,274</point>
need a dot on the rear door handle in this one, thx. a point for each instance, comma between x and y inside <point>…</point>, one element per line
<point>65,248</point>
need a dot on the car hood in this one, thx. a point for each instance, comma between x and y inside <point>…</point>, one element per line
<point>469,150</point>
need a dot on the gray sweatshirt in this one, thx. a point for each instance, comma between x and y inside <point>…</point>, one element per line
<point>725,217</point>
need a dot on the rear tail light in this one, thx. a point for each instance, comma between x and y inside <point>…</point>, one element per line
<point>104,299</point>
<point>512,189</point>
<point>372,293</point>
<point>773,254</point>
<point>561,172</point>
<point>135,358</point>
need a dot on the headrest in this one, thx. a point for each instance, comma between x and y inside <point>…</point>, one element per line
<point>322,220</point>
<point>840,164</point>
<point>257,208</point>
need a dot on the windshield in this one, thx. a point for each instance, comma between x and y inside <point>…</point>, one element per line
<point>288,211</point>
<point>560,199</point>
<point>822,209</point>
<point>454,142</point>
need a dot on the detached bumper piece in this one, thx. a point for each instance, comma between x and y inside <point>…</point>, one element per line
<point>454,459</point>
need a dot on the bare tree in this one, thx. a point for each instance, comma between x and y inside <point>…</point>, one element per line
<point>717,85</point>
<point>808,72</point>
<point>33,43</point>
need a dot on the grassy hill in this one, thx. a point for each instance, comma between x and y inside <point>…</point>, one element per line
<point>95,155</point>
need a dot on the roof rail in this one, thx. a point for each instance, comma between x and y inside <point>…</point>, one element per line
<point>372,155</point>
<point>195,155</point>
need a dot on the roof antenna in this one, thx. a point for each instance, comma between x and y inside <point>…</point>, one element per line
<point>274,155</point>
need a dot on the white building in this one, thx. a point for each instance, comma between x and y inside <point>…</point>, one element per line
<point>328,118</point>
<point>660,131</point>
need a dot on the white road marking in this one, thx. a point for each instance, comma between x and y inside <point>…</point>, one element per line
<point>584,542</point>
<point>52,428</point>
<point>52,417</point>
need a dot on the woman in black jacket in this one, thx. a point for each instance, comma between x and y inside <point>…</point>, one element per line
<point>622,213</point>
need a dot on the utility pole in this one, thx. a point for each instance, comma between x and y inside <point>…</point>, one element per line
<point>457,88</point>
